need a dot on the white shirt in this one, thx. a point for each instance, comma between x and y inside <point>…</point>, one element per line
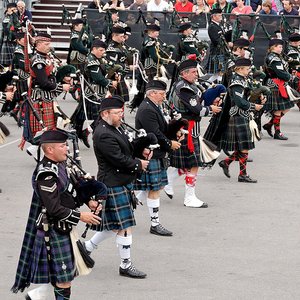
<point>152,6</point>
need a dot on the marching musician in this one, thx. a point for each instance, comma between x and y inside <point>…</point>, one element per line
<point>237,136</point>
<point>117,169</point>
<point>153,53</point>
<point>277,76</point>
<point>293,51</point>
<point>150,117</point>
<point>186,98</point>
<point>95,72</point>
<point>79,45</point>
<point>47,253</point>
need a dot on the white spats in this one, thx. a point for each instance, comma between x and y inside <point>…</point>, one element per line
<point>153,206</point>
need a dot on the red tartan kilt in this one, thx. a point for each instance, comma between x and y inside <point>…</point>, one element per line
<point>45,111</point>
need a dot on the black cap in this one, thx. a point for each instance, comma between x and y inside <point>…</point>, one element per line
<point>10,5</point>
<point>156,85</point>
<point>64,71</point>
<point>243,62</point>
<point>53,136</point>
<point>187,64</point>
<point>77,21</point>
<point>19,35</point>
<point>216,11</point>
<point>184,26</point>
<point>118,30</point>
<point>99,43</point>
<point>273,42</point>
<point>112,102</point>
<point>294,37</point>
<point>153,25</point>
<point>127,30</point>
<point>241,43</point>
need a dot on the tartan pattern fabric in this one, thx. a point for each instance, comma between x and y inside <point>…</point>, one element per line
<point>7,53</point>
<point>61,267</point>
<point>216,63</point>
<point>238,136</point>
<point>154,178</point>
<point>276,102</point>
<point>21,87</point>
<point>151,73</point>
<point>122,90</point>
<point>183,158</point>
<point>117,213</point>
<point>46,113</point>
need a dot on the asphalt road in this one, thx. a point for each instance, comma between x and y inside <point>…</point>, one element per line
<point>245,245</point>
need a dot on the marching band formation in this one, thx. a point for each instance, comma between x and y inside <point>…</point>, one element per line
<point>135,164</point>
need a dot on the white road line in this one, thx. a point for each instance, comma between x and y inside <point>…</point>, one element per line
<point>13,142</point>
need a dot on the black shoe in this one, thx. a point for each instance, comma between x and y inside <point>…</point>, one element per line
<point>27,297</point>
<point>132,272</point>
<point>204,205</point>
<point>225,168</point>
<point>279,136</point>
<point>268,128</point>
<point>160,230</point>
<point>85,140</point>
<point>246,178</point>
<point>249,159</point>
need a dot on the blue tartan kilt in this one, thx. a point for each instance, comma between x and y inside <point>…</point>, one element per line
<point>183,158</point>
<point>7,53</point>
<point>61,266</point>
<point>154,178</point>
<point>277,102</point>
<point>216,63</point>
<point>237,135</point>
<point>117,213</point>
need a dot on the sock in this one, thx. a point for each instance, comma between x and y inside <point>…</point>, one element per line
<point>61,293</point>
<point>276,122</point>
<point>97,238</point>
<point>243,163</point>
<point>124,243</point>
<point>153,206</point>
<point>233,157</point>
<point>40,293</point>
<point>190,179</point>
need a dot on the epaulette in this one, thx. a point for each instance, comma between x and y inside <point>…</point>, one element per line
<point>239,82</point>
<point>150,43</point>
<point>19,50</point>
<point>189,39</point>
<point>112,48</point>
<point>38,59</point>
<point>272,57</point>
<point>183,85</point>
<point>47,167</point>
<point>74,35</point>
<point>230,63</point>
<point>293,51</point>
<point>94,62</point>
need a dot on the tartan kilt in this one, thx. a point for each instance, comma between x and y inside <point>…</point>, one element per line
<point>277,102</point>
<point>44,109</point>
<point>154,178</point>
<point>151,73</point>
<point>237,135</point>
<point>216,63</point>
<point>122,90</point>
<point>61,266</point>
<point>92,110</point>
<point>21,87</point>
<point>117,213</point>
<point>183,158</point>
<point>7,53</point>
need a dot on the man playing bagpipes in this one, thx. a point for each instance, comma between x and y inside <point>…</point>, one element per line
<point>117,169</point>
<point>237,135</point>
<point>150,118</point>
<point>79,46</point>
<point>186,99</point>
<point>293,51</point>
<point>49,253</point>
<point>155,53</point>
<point>43,89</point>
<point>277,80</point>
<point>89,103</point>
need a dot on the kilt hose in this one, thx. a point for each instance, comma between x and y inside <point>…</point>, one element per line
<point>117,213</point>
<point>60,268</point>
<point>183,158</point>
<point>46,113</point>
<point>277,102</point>
<point>154,178</point>
<point>7,53</point>
<point>237,136</point>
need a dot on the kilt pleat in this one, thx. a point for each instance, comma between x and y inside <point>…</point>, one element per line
<point>122,90</point>
<point>118,213</point>
<point>183,158</point>
<point>61,266</point>
<point>7,53</point>
<point>154,178</point>
<point>237,135</point>
<point>277,102</point>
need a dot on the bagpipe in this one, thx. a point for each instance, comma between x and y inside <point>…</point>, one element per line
<point>4,132</point>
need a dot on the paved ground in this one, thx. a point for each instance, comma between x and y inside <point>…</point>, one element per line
<point>244,246</point>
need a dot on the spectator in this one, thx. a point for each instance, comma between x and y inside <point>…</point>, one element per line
<point>23,13</point>
<point>267,8</point>
<point>225,6</point>
<point>95,4</point>
<point>183,6</point>
<point>114,4</point>
<point>138,5</point>
<point>158,5</point>
<point>277,5</point>
<point>256,5</point>
<point>288,9</point>
<point>241,8</point>
<point>200,7</point>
